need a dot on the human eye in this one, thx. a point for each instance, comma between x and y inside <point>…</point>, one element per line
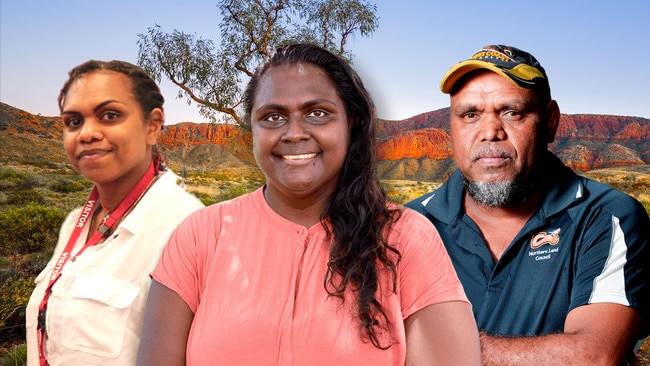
<point>71,121</point>
<point>512,115</point>
<point>273,120</point>
<point>317,113</point>
<point>109,116</point>
<point>318,116</point>
<point>469,116</point>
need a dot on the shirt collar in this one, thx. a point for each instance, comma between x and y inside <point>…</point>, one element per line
<point>566,188</point>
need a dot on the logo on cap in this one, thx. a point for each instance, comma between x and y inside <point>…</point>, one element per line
<point>492,52</point>
<point>520,67</point>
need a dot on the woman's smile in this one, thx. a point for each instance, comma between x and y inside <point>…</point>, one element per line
<point>299,156</point>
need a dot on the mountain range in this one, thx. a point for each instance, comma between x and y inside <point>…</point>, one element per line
<point>416,148</point>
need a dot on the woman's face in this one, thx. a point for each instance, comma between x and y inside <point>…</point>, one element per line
<point>105,133</point>
<point>300,132</point>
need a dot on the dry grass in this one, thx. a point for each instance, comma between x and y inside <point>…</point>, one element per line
<point>633,180</point>
<point>403,191</point>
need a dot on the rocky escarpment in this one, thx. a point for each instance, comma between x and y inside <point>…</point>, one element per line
<point>417,148</point>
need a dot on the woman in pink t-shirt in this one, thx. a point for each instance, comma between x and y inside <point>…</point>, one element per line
<point>315,267</point>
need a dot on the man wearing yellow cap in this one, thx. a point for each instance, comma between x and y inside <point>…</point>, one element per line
<point>556,266</point>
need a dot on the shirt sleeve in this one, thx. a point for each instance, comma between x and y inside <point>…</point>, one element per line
<point>426,274</point>
<point>612,262</point>
<point>185,260</point>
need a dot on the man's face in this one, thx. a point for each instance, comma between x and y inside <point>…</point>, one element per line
<point>498,131</point>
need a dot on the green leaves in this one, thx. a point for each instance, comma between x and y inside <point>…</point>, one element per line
<point>29,228</point>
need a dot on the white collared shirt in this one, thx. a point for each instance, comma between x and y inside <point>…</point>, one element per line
<point>95,312</point>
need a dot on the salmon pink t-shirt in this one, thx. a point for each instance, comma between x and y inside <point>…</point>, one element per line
<point>255,282</point>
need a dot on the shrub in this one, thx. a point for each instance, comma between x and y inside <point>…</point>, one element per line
<point>228,190</point>
<point>10,179</point>
<point>29,229</point>
<point>28,184</point>
<point>34,263</point>
<point>7,185</point>
<point>232,192</point>
<point>65,186</point>
<point>5,264</point>
<point>69,201</point>
<point>14,295</point>
<point>86,183</point>
<point>205,198</point>
<point>17,356</point>
<point>12,175</point>
<point>26,197</point>
<point>38,163</point>
<point>395,196</point>
<point>208,200</point>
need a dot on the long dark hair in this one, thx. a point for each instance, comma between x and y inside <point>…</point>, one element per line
<point>357,209</point>
<point>145,89</point>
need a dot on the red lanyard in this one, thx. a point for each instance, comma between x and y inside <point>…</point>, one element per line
<point>103,230</point>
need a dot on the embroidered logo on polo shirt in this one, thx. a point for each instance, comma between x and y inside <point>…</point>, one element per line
<point>543,238</point>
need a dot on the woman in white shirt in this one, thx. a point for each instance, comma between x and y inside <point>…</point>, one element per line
<point>88,302</point>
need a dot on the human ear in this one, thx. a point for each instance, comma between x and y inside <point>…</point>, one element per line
<point>552,120</point>
<point>155,121</point>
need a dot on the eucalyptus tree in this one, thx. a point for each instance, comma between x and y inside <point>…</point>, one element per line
<point>213,74</point>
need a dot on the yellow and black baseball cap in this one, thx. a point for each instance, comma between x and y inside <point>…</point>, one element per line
<point>520,67</point>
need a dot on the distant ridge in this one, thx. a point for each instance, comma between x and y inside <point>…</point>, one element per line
<point>583,141</point>
<point>416,148</point>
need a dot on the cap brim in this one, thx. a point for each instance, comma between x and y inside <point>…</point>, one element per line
<point>457,71</point>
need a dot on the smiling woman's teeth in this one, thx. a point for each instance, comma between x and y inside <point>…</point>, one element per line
<point>298,157</point>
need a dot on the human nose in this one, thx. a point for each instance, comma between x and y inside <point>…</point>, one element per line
<point>492,128</point>
<point>90,131</point>
<point>295,130</point>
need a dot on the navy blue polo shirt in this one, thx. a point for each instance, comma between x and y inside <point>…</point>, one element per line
<point>587,243</point>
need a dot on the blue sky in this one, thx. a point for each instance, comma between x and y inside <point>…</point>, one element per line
<point>596,53</point>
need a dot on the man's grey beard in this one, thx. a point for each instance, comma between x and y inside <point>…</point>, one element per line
<point>498,194</point>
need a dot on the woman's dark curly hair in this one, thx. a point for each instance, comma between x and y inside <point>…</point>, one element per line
<point>145,89</point>
<point>357,209</point>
